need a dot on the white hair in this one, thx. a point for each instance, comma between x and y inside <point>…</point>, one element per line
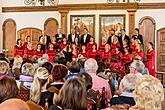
<point>91,65</point>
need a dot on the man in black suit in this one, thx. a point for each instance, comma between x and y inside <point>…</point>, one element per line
<point>59,36</point>
<point>85,38</point>
<point>137,35</point>
<point>123,37</point>
<point>111,36</point>
<point>73,36</point>
<point>44,40</point>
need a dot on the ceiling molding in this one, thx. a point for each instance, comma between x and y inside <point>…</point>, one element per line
<point>68,7</point>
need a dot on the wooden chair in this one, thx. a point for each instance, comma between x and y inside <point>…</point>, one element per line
<point>33,106</point>
<point>24,93</point>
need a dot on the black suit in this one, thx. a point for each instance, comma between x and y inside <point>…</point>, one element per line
<point>59,39</point>
<point>43,46</point>
<point>72,40</point>
<point>138,37</point>
<point>86,41</point>
<point>121,41</point>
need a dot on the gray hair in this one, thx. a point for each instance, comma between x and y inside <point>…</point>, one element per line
<point>138,65</point>
<point>91,65</point>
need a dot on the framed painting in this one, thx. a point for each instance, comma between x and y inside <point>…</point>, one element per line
<point>109,22</point>
<point>79,22</point>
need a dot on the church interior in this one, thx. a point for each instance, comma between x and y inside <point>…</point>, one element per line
<point>51,42</point>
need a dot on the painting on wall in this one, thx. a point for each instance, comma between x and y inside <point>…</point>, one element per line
<point>109,22</point>
<point>79,22</point>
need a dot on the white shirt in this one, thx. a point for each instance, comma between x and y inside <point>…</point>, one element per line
<point>85,36</point>
<point>42,40</point>
<point>73,37</point>
<point>60,35</point>
<point>112,38</point>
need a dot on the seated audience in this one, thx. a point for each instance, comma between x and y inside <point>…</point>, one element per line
<point>14,104</point>
<point>71,96</point>
<point>38,91</point>
<point>149,94</point>
<point>48,66</point>
<point>8,88</point>
<point>4,68</point>
<point>98,82</point>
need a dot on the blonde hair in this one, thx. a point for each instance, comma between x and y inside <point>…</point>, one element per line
<point>148,93</point>
<point>18,60</point>
<point>28,69</point>
<point>4,67</point>
<point>41,74</point>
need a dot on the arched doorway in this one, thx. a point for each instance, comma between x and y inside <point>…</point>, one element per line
<point>9,35</point>
<point>147,29</point>
<point>50,26</point>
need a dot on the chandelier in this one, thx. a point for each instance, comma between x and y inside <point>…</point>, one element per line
<point>41,2</point>
<point>123,1</point>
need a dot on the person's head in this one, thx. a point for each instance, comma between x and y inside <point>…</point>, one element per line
<point>27,68</point>
<point>136,31</point>
<point>74,67</point>
<point>14,104</point>
<point>64,39</point>
<point>123,32</point>
<point>39,46</point>
<point>107,47</point>
<point>53,39</point>
<point>51,46</point>
<point>43,59</point>
<point>139,46</point>
<point>59,72</point>
<point>149,93</point>
<point>35,59</point>
<point>40,79</point>
<point>19,41</point>
<point>115,39</point>
<point>72,95</point>
<point>73,31</point>
<point>129,82</point>
<point>91,65</point>
<point>112,31</point>
<point>101,67</point>
<point>28,38</point>
<point>56,58</point>
<point>4,67</point>
<point>18,60</point>
<point>132,40</point>
<point>92,39</point>
<point>2,55</point>
<point>81,62</point>
<point>29,45</point>
<point>87,78</point>
<point>48,66</point>
<point>83,47</point>
<point>59,30</point>
<point>126,49</point>
<point>8,88</point>
<point>150,45</point>
<point>137,66</point>
<point>117,48</point>
<point>62,60</point>
<point>104,40</point>
<point>94,47</point>
<point>85,31</point>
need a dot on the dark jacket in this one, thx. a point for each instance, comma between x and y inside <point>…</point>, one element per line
<point>86,41</point>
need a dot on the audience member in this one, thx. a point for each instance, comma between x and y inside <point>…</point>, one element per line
<point>8,88</point>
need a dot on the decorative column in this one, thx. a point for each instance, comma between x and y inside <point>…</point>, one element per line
<point>64,26</point>
<point>131,13</point>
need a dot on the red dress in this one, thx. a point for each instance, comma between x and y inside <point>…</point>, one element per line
<point>92,54</point>
<point>51,54</point>
<point>30,53</point>
<point>89,45</point>
<point>62,46</point>
<point>150,64</point>
<point>132,47</point>
<point>18,51</point>
<point>101,53</point>
<point>120,55</point>
<point>107,54</point>
<point>25,45</point>
<point>84,54</point>
<point>38,53</point>
<point>102,47</point>
<point>141,54</point>
<point>113,46</point>
<point>127,58</point>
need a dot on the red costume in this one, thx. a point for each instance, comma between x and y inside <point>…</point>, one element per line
<point>38,53</point>
<point>132,47</point>
<point>101,53</point>
<point>107,54</point>
<point>83,53</point>
<point>92,54</point>
<point>102,47</point>
<point>150,64</point>
<point>90,44</point>
<point>18,51</point>
<point>30,53</point>
<point>141,54</point>
<point>25,45</point>
<point>127,58</point>
<point>62,46</point>
<point>51,54</point>
<point>113,46</point>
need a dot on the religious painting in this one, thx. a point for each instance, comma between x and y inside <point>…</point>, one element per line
<point>79,22</point>
<point>109,22</point>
